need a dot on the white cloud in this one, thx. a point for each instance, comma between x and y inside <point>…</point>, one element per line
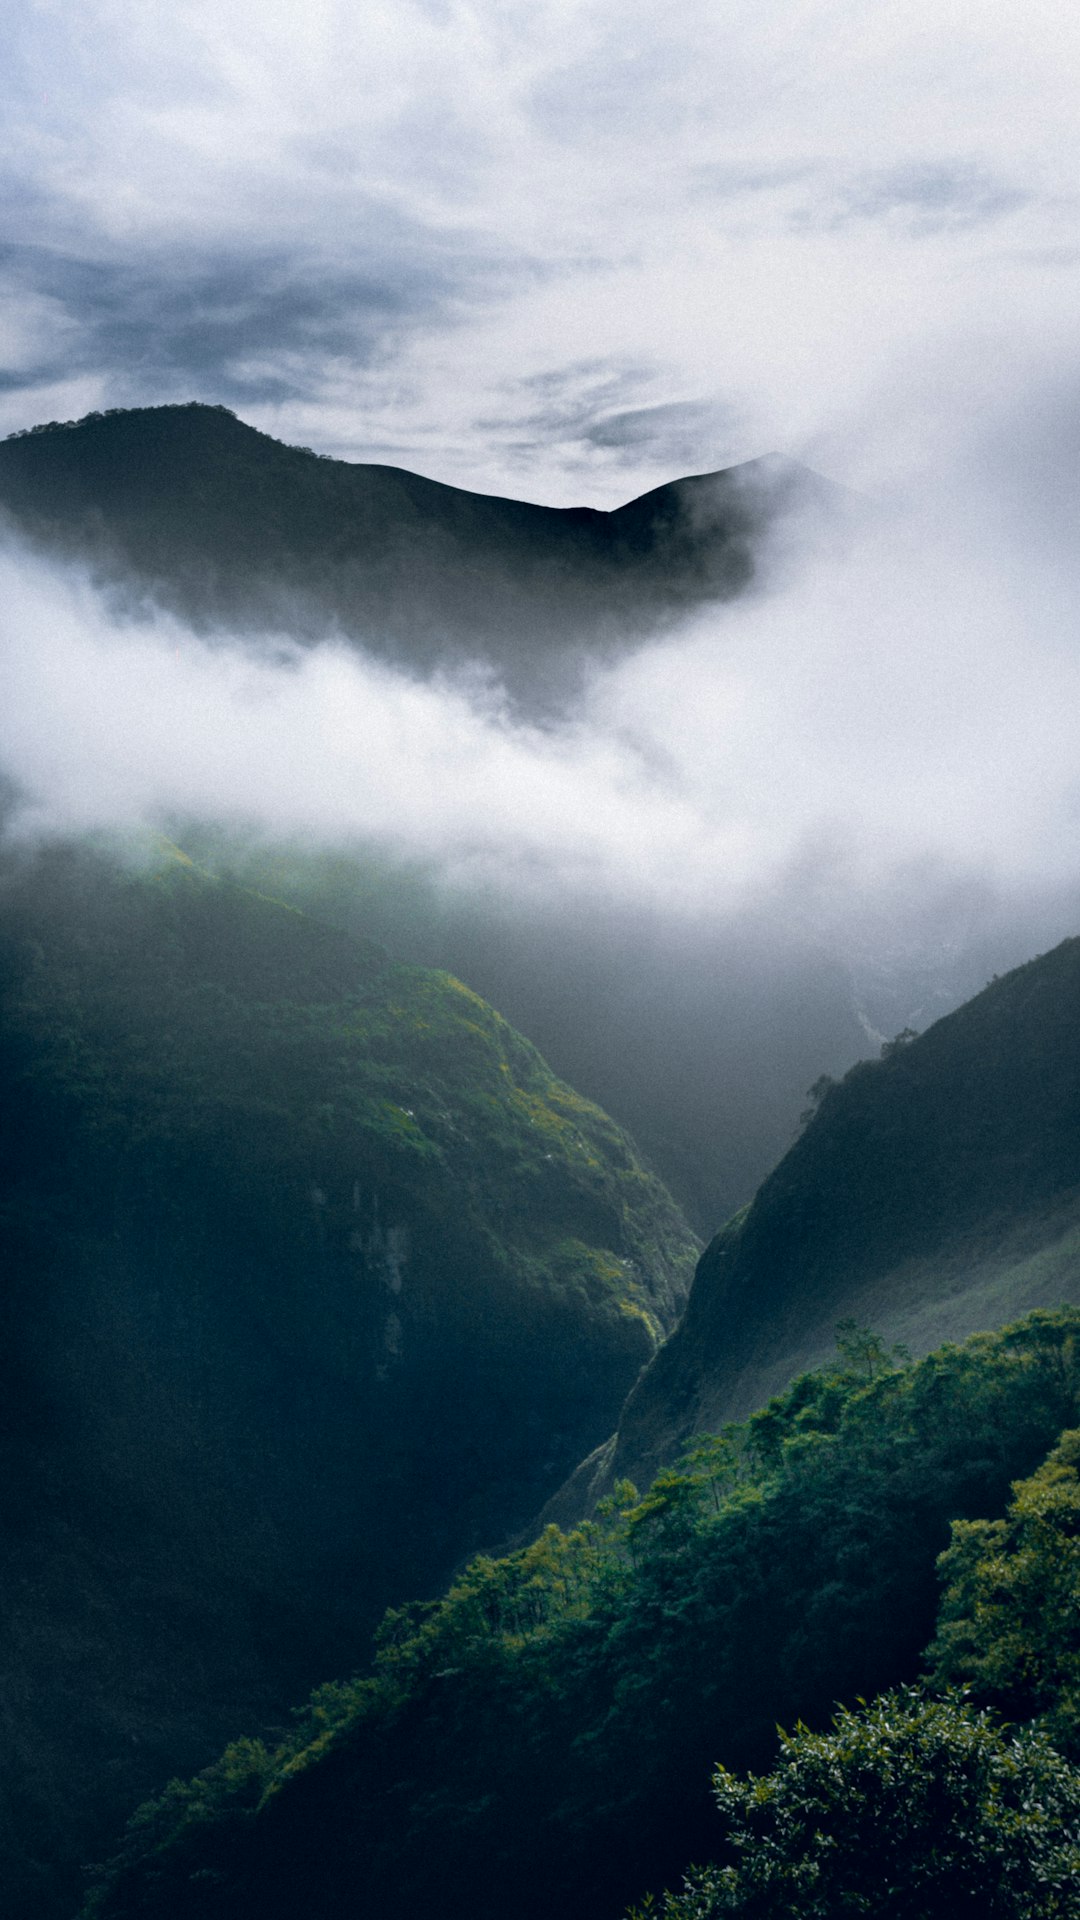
<point>896,716</point>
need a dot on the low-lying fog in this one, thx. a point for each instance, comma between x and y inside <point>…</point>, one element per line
<point>872,759</point>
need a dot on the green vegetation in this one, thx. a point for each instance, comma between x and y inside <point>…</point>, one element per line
<point>316,1280</point>
<point>934,1192</point>
<point>170,1008</point>
<point>542,1739</point>
<point>928,1806</point>
<point>1009,1627</point>
<point>915,1808</point>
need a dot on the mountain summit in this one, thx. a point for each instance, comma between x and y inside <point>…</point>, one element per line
<point>189,508</point>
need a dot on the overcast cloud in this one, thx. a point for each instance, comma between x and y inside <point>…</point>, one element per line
<point>380,231</point>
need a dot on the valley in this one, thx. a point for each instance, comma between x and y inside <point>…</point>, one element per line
<point>422,1297</point>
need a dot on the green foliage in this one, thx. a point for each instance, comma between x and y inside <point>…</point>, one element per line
<point>543,1736</point>
<point>914,1808</point>
<point>1009,1623</point>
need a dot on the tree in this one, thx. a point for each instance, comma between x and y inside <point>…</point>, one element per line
<point>823,1085</point>
<point>912,1808</point>
<point>898,1042</point>
<point>1009,1622</point>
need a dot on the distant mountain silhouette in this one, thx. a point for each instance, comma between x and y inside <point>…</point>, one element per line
<point>189,508</point>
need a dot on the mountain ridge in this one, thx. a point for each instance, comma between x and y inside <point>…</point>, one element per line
<point>933,1193</point>
<point>194,510</point>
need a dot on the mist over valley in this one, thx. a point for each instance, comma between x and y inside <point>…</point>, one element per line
<point>710,795</point>
<point>539,962</point>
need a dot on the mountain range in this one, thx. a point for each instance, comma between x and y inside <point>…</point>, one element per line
<point>543,1737</point>
<point>700,1039</point>
<point>338,1315</point>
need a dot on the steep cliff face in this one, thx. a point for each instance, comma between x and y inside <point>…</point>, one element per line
<point>316,1279</point>
<point>935,1192</point>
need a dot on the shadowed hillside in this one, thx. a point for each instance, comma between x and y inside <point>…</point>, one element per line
<point>542,1740</point>
<point>935,1192</point>
<point>315,1279</point>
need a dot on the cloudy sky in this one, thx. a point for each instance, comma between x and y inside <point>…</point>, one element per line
<point>563,249</point>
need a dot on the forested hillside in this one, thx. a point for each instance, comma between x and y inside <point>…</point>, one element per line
<point>542,1740</point>
<point>933,1192</point>
<point>316,1279</point>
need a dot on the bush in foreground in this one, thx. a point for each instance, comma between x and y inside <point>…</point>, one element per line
<point>912,1808</point>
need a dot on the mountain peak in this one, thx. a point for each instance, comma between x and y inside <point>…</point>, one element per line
<point>231,530</point>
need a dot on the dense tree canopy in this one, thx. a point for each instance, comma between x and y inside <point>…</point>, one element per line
<point>912,1808</point>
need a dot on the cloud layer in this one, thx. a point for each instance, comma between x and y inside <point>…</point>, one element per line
<point>891,720</point>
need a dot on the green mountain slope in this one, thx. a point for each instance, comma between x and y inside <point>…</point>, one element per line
<point>315,1279</point>
<point>700,1045</point>
<point>542,1742</point>
<point>701,1042</point>
<point>935,1192</point>
<point>226,527</point>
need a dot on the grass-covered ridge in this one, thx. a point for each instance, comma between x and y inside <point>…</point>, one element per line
<point>543,1738</point>
<point>159,1004</point>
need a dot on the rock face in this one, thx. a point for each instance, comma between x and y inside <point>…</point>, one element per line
<point>224,526</point>
<point>935,1193</point>
<point>315,1280</point>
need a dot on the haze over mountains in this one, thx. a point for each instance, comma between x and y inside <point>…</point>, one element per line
<point>435,798</point>
<point>933,1193</point>
<point>321,1277</point>
<point>743,843</point>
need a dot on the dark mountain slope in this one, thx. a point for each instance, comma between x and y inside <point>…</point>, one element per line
<point>314,1279</point>
<point>187,506</point>
<point>701,1043</point>
<point>935,1192</point>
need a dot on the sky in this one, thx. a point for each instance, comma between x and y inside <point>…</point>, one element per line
<point>563,250</point>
